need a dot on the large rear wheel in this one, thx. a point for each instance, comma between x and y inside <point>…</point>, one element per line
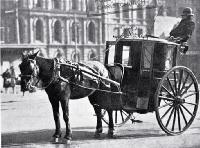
<point>176,100</point>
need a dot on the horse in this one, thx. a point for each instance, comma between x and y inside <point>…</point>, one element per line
<point>35,68</point>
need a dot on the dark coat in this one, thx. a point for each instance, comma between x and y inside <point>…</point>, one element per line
<point>7,79</point>
<point>183,30</point>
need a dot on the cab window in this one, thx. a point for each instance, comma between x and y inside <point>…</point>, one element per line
<point>125,55</point>
<point>111,55</point>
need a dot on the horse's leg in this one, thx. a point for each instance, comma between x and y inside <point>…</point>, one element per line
<point>55,107</point>
<point>110,125</point>
<point>99,128</point>
<point>65,107</point>
<point>97,109</point>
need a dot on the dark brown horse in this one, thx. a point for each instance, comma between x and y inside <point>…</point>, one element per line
<point>34,68</point>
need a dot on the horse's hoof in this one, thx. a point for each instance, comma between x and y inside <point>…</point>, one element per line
<point>55,140</point>
<point>97,135</point>
<point>110,133</point>
<point>66,141</point>
<point>99,130</point>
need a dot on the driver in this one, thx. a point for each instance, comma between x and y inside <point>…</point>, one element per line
<point>185,27</point>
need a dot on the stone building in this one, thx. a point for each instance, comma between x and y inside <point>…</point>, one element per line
<point>74,29</point>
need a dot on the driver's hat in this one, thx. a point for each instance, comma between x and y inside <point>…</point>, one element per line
<point>187,12</point>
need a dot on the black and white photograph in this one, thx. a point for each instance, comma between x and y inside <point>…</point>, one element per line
<point>100,73</point>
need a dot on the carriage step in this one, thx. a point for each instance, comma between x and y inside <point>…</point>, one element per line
<point>128,107</point>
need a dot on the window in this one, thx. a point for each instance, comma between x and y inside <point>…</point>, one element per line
<point>75,32</point>
<point>126,12</point>
<point>111,55</point>
<point>2,34</point>
<point>91,5</point>
<point>125,55</point>
<point>92,56</point>
<point>91,32</point>
<point>75,4</point>
<point>22,31</point>
<point>147,54</point>
<point>39,30</point>
<point>117,10</point>
<point>140,14</point>
<point>75,57</point>
<point>57,31</point>
<point>56,4</point>
<point>39,3</point>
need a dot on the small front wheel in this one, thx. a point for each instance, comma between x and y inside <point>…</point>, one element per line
<point>120,117</point>
<point>176,100</point>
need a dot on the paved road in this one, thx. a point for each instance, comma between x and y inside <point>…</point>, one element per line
<point>28,122</point>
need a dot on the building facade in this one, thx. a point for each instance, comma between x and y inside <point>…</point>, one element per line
<point>66,28</point>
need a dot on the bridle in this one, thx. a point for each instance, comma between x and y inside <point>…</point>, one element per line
<point>32,76</point>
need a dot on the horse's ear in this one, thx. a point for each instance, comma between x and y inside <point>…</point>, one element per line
<point>23,55</point>
<point>33,56</point>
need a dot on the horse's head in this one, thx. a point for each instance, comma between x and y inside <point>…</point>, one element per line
<point>29,72</point>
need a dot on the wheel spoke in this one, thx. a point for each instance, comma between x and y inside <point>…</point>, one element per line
<point>179,120</point>
<point>122,115</point>
<point>167,104</point>
<point>191,103</point>
<point>169,117</point>
<point>187,110</point>
<point>174,120</point>
<point>166,112</point>
<point>116,116</point>
<point>183,86</point>
<point>166,98</point>
<point>170,86</point>
<point>180,79</point>
<point>125,113</point>
<point>187,88</point>
<point>183,115</point>
<point>194,93</point>
<point>168,91</point>
<point>175,84</point>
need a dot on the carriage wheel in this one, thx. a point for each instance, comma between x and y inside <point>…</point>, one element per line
<point>176,100</point>
<point>120,117</point>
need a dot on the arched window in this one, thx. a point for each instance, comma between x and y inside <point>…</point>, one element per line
<point>59,54</point>
<point>91,32</point>
<point>126,12</point>
<point>92,56</point>
<point>39,3</point>
<point>75,57</point>
<point>56,4</point>
<point>117,10</point>
<point>22,31</point>
<point>91,5</point>
<point>57,31</point>
<point>75,32</point>
<point>75,4</point>
<point>140,14</point>
<point>39,30</point>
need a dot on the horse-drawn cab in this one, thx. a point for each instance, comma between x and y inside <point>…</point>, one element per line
<point>151,81</point>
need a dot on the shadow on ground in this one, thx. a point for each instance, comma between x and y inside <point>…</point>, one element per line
<point>79,134</point>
